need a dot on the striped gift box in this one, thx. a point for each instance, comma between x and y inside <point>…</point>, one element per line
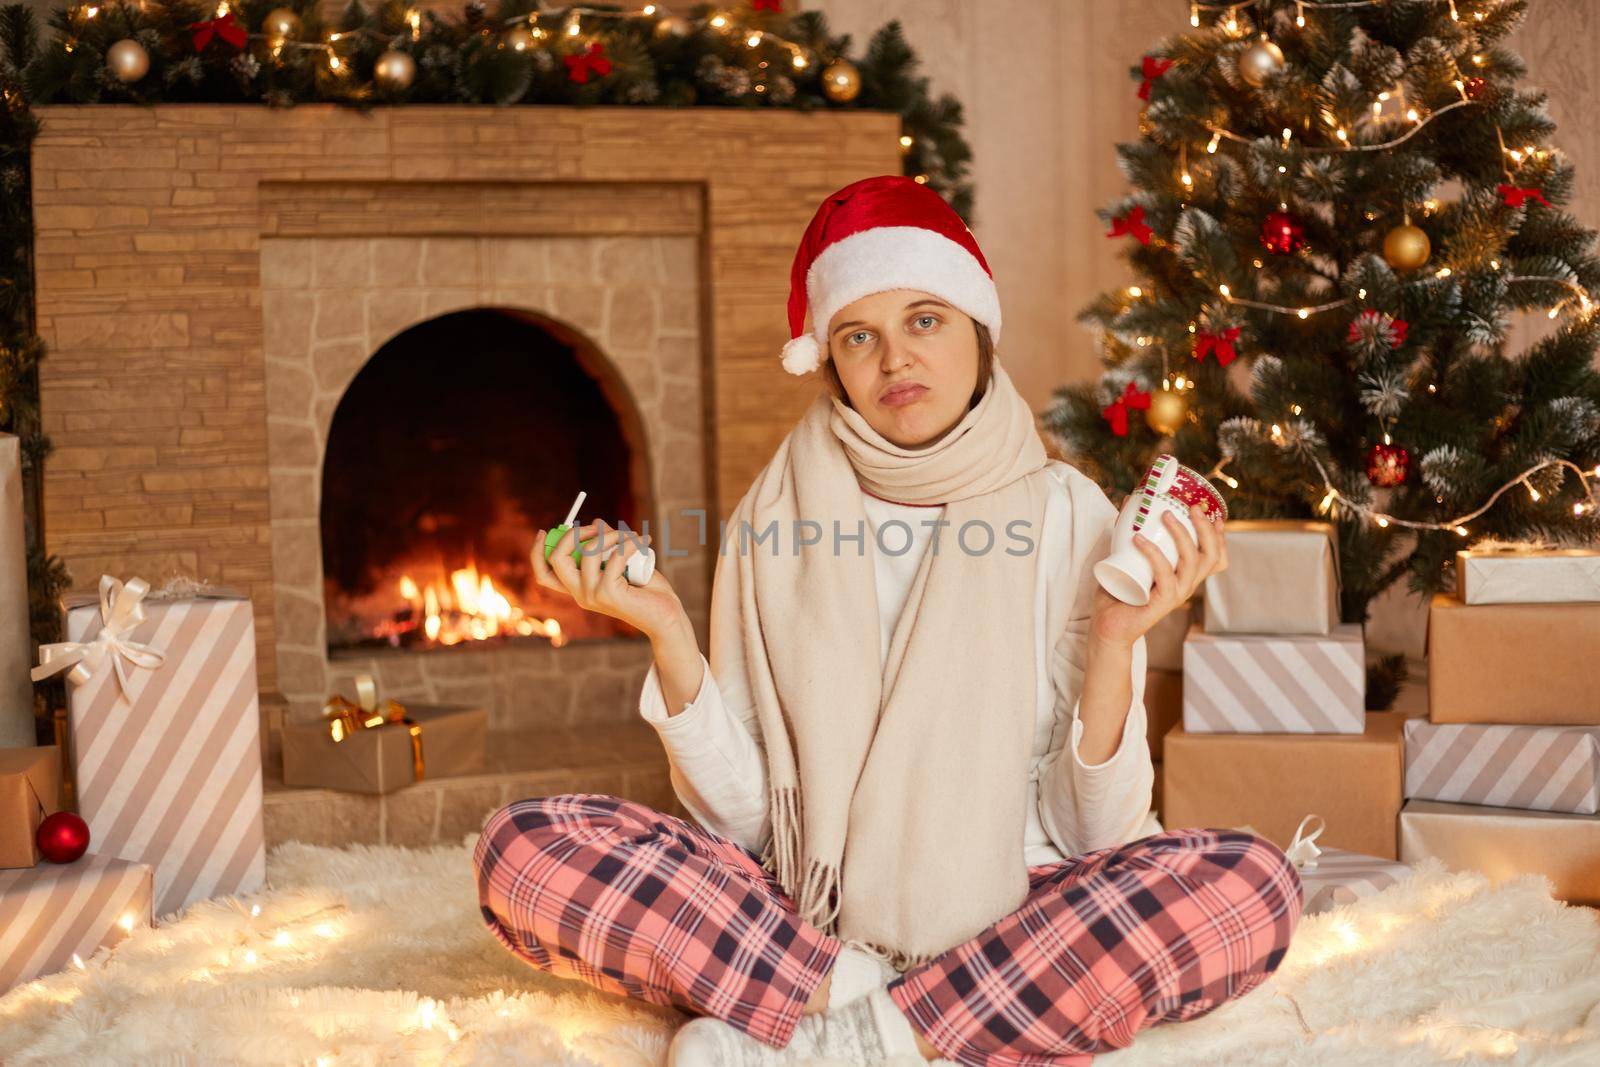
<point>169,773</point>
<point>1543,768</point>
<point>50,913</point>
<point>1342,877</point>
<point>1274,683</point>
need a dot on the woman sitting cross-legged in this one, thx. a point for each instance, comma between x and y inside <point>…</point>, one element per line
<point>916,755</point>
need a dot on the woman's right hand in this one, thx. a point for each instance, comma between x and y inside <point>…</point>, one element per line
<point>652,608</point>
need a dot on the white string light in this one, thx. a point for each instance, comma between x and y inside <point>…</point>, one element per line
<point>1345,146</point>
<point>1332,497</point>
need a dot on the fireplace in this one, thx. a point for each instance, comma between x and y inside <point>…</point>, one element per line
<point>213,330</point>
<point>458,439</point>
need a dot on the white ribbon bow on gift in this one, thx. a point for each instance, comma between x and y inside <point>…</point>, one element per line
<point>1302,851</point>
<point>121,609</point>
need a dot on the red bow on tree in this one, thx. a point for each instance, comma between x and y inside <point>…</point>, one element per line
<point>1132,222</point>
<point>766,5</point>
<point>1116,413</point>
<point>1516,196</point>
<point>1220,343</point>
<point>1378,326</point>
<point>594,61</point>
<point>1152,69</point>
<point>227,27</point>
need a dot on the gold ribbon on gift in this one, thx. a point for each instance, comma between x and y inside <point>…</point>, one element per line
<point>345,718</point>
<point>1302,851</point>
<point>121,610</point>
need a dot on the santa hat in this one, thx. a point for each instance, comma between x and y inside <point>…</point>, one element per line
<point>887,232</point>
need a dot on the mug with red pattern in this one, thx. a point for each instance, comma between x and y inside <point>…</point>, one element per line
<point>1169,486</point>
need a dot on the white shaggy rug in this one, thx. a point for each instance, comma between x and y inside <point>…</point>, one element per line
<point>377,956</point>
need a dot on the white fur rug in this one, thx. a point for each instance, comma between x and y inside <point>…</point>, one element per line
<point>377,956</point>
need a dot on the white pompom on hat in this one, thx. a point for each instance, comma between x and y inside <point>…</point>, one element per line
<point>881,233</point>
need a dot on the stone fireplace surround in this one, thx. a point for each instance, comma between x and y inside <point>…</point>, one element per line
<point>210,278</point>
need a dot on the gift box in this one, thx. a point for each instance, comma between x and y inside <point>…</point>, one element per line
<point>1282,578</point>
<point>1505,842</point>
<point>1528,576</point>
<point>1342,877</point>
<point>1163,642</point>
<point>1163,706</point>
<point>1268,780</point>
<point>165,733</point>
<point>30,789</point>
<point>1272,683</point>
<point>1549,768</point>
<point>52,912</point>
<point>449,740</point>
<point>1513,663</point>
<point>16,642</point>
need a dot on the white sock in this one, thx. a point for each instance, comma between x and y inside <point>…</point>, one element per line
<point>855,974</point>
<point>899,1036</point>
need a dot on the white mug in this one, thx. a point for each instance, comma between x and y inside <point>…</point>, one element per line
<point>1168,486</point>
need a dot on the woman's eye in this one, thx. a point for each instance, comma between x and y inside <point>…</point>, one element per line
<point>930,318</point>
<point>859,333</point>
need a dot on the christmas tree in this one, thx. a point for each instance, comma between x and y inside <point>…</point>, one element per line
<point>1339,211</point>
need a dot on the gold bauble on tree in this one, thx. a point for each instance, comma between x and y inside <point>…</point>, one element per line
<point>1260,61</point>
<point>128,60</point>
<point>394,70</point>
<point>841,81</point>
<point>1168,408</point>
<point>281,24</point>
<point>673,26</point>
<point>1406,247</point>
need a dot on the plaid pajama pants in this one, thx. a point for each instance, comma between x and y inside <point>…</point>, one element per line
<point>639,902</point>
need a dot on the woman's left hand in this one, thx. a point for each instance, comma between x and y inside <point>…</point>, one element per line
<point>1114,622</point>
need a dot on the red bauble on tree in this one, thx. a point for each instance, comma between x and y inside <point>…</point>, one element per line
<point>1476,88</point>
<point>62,837</point>
<point>1387,465</point>
<point>1282,233</point>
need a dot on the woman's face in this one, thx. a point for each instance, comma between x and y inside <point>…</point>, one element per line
<point>908,362</point>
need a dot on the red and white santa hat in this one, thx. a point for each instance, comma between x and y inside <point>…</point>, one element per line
<point>887,232</point>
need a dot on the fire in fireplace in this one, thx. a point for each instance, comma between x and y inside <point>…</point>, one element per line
<point>455,442</point>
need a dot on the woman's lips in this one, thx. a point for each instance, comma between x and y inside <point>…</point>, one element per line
<point>901,395</point>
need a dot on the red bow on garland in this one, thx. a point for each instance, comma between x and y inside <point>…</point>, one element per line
<point>1516,196</point>
<point>1152,69</point>
<point>1116,413</point>
<point>767,5</point>
<point>594,61</point>
<point>227,27</point>
<point>1220,343</point>
<point>1132,222</point>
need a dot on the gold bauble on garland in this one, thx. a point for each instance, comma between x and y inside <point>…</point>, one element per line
<point>1259,62</point>
<point>841,81</point>
<point>1406,247</point>
<point>128,60</point>
<point>281,24</point>
<point>1167,411</point>
<point>394,70</point>
<point>673,26</point>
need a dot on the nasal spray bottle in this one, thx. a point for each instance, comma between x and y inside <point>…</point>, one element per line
<point>641,565</point>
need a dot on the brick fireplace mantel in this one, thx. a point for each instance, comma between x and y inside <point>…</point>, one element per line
<point>180,248</point>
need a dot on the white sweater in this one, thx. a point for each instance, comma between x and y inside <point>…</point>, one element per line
<point>718,762</point>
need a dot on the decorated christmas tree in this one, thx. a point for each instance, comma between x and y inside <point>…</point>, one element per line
<point>1339,212</point>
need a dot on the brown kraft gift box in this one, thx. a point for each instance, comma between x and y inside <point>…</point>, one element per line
<point>1163,706</point>
<point>1513,663</point>
<point>379,760</point>
<point>1272,781</point>
<point>30,789</point>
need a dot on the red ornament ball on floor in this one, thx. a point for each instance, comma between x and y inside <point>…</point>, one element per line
<point>62,837</point>
<point>1387,465</point>
<point>1282,233</point>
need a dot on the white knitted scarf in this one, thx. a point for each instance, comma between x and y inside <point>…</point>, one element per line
<point>897,795</point>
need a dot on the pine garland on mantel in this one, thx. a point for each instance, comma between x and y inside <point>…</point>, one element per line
<point>752,55</point>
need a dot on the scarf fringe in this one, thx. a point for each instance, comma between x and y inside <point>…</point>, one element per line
<point>821,884</point>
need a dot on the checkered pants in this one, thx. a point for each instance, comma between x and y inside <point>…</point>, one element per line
<point>639,902</point>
